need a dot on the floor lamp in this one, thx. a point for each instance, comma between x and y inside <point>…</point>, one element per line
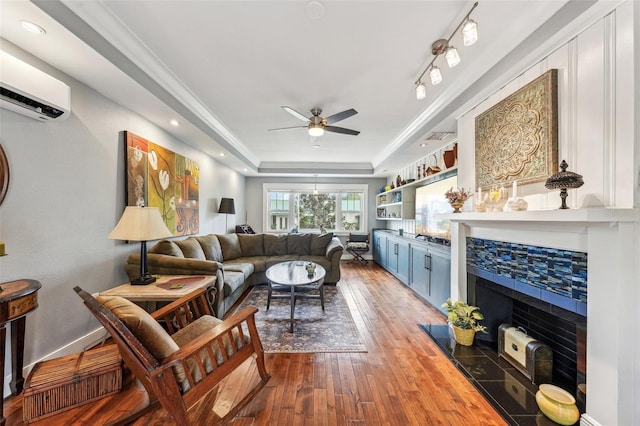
<point>141,224</point>
<point>227,207</point>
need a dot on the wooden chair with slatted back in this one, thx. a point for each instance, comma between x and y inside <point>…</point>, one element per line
<point>196,367</point>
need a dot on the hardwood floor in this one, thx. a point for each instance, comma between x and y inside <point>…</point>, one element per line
<point>403,379</point>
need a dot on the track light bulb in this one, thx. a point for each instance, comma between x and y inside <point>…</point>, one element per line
<point>435,75</point>
<point>470,32</point>
<point>452,56</point>
<point>421,91</point>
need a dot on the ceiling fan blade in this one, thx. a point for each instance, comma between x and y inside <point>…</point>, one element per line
<point>287,128</point>
<point>296,114</point>
<point>341,130</point>
<point>340,116</point>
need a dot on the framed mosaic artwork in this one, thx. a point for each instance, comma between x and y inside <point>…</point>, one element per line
<point>158,177</point>
<point>517,139</point>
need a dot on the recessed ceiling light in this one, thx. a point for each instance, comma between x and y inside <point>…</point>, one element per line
<point>315,10</point>
<point>222,154</point>
<point>316,146</point>
<point>245,169</point>
<point>31,27</point>
<point>175,122</point>
<point>422,145</point>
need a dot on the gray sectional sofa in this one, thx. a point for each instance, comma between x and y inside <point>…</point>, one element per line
<point>238,260</point>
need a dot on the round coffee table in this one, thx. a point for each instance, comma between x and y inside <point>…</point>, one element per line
<point>292,277</point>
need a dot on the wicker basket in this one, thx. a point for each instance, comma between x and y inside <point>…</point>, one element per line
<point>464,337</point>
<point>63,383</point>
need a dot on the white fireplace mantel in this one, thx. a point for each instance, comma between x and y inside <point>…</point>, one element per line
<point>607,235</point>
<point>580,216</point>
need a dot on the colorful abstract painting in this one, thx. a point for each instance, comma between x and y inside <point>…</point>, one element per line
<point>158,177</point>
<point>517,139</point>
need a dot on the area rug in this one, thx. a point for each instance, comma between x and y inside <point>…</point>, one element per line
<point>331,330</point>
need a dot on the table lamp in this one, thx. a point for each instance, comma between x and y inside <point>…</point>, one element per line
<point>141,224</point>
<point>227,207</point>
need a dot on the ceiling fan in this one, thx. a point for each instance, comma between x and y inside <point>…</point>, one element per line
<point>317,124</point>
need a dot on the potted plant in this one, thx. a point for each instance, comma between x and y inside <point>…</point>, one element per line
<point>464,320</point>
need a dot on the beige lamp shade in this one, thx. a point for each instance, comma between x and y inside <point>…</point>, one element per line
<point>140,224</point>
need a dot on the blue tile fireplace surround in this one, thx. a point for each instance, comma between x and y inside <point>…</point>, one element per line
<point>541,289</point>
<point>555,276</point>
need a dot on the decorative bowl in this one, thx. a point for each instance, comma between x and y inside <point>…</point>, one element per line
<point>557,404</point>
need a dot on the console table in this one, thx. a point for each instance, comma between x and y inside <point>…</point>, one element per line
<point>17,299</point>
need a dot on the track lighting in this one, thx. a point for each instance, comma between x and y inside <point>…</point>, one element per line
<point>442,47</point>
<point>470,32</point>
<point>452,56</point>
<point>421,91</point>
<point>436,76</point>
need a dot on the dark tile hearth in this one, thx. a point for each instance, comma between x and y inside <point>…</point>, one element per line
<point>504,387</point>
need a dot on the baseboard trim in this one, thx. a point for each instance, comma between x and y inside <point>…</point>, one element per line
<point>76,346</point>
<point>586,420</point>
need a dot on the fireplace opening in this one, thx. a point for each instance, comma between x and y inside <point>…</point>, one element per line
<point>562,330</point>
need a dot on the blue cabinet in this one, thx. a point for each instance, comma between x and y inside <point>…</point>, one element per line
<point>392,253</point>
<point>424,267</point>
<point>380,249</point>
<point>420,273</point>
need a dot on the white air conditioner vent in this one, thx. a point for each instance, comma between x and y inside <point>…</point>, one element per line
<point>27,90</point>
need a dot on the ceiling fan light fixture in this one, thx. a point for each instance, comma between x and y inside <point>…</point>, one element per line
<point>436,76</point>
<point>470,32</point>
<point>316,130</point>
<point>421,91</point>
<point>452,56</point>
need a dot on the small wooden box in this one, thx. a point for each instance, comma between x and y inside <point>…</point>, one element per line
<point>63,383</point>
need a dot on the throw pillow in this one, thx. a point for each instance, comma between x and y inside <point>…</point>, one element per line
<point>319,243</point>
<point>275,244</point>
<point>166,247</point>
<point>251,244</point>
<point>211,247</point>
<point>230,246</point>
<point>191,249</point>
<point>298,244</point>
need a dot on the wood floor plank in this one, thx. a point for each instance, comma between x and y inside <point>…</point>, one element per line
<point>402,379</point>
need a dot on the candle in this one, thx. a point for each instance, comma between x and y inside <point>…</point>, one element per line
<point>515,189</point>
<point>2,249</point>
<point>479,194</point>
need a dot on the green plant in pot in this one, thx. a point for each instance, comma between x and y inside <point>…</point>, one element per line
<point>464,320</point>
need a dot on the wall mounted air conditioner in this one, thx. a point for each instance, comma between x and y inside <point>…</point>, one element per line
<point>27,90</point>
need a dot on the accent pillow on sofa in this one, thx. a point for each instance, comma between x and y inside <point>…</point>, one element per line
<point>319,243</point>
<point>298,244</point>
<point>166,247</point>
<point>251,244</point>
<point>230,246</point>
<point>191,249</point>
<point>275,244</point>
<point>211,247</point>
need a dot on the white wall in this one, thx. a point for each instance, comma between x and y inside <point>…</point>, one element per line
<point>66,194</point>
<point>598,100</point>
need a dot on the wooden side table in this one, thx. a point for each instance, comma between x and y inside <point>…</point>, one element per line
<point>167,288</point>
<point>17,299</point>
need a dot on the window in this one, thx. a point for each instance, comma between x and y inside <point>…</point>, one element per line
<point>279,211</point>
<point>334,208</point>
